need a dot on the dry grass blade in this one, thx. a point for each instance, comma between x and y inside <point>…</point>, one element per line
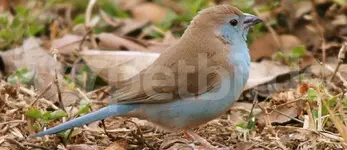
<point>337,122</point>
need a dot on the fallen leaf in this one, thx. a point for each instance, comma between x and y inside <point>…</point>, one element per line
<point>265,71</point>
<point>118,145</point>
<point>291,109</point>
<point>36,59</point>
<point>124,26</point>
<point>149,11</point>
<point>127,5</point>
<point>266,45</point>
<point>67,44</point>
<point>302,8</point>
<point>83,147</point>
<point>117,66</point>
<point>111,41</point>
<point>174,143</point>
<point>4,5</point>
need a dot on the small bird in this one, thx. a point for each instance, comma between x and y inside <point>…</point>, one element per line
<point>195,80</point>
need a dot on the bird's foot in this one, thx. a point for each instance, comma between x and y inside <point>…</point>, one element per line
<point>192,135</point>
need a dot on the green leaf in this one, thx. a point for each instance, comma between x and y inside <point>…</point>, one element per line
<point>46,115</point>
<point>79,19</point>
<point>33,113</point>
<point>64,134</point>
<point>12,79</point>
<point>298,51</point>
<point>242,125</point>
<point>279,55</point>
<point>35,29</point>
<point>84,107</point>
<point>331,103</point>
<point>4,19</point>
<point>22,75</point>
<point>340,2</point>
<point>57,114</point>
<point>112,9</point>
<point>315,113</point>
<point>311,94</point>
<point>22,11</point>
<point>251,124</point>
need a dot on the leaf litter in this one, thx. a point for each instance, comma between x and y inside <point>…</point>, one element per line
<point>295,97</point>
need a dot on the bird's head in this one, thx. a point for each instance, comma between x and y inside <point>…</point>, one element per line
<point>225,21</point>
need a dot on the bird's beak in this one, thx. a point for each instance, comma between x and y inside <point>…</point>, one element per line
<point>251,20</point>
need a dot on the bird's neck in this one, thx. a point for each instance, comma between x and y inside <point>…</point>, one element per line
<point>240,58</point>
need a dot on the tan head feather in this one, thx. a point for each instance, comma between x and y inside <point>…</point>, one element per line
<point>215,15</point>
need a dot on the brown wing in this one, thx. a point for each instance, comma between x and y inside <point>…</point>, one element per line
<point>176,73</point>
<point>172,81</point>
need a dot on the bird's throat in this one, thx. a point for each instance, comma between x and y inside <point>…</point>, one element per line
<point>239,57</point>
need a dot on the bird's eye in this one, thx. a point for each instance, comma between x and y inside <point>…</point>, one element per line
<point>233,22</point>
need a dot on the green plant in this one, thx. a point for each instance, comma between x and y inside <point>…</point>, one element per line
<point>22,75</point>
<point>14,30</point>
<point>293,58</point>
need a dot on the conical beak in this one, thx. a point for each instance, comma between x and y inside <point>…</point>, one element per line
<point>251,20</point>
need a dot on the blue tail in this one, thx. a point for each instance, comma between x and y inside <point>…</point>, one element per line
<point>109,111</point>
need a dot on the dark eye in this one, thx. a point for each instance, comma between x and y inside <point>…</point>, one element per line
<point>233,22</point>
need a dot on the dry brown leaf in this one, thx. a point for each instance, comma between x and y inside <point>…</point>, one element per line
<point>117,66</point>
<point>67,44</point>
<point>174,143</point>
<point>276,117</point>
<point>290,109</point>
<point>83,147</point>
<point>265,71</point>
<point>118,145</point>
<point>36,59</point>
<point>4,5</point>
<point>130,25</point>
<point>266,45</point>
<point>127,5</point>
<point>114,42</point>
<point>302,8</point>
<point>124,26</point>
<point>149,11</point>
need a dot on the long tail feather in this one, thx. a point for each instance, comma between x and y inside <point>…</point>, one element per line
<point>109,111</point>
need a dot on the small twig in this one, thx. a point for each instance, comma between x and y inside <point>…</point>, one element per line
<point>89,11</point>
<point>89,31</point>
<point>70,133</point>
<point>293,101</point>
<point>275,110</point>
<point>86,98</point>
<point>27,91</point>
<point>320,28</point>
<point>41,94</point>
<point>56,82</point>
<point>88,21</point>
<point>13,121</point>
<point>36,146</point>
<point>271,30</point>
<point>139,131</point>
<point>267,118</point>
<point>281,145</point>
<point>13,141</point>
<point>324,51</point>
<point>337,74</point>
<point>340,58</point>
<point>319,121</point>
<point>109,135</point>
